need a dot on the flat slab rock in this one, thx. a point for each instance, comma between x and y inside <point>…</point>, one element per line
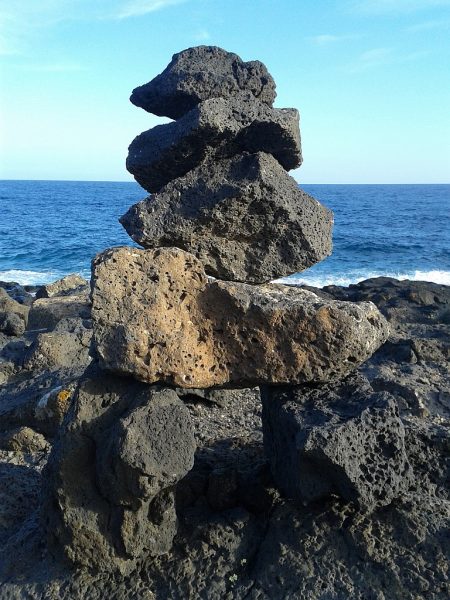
<point>229,126</point>
<point>244,218</point>
<point>158,318</point>
<point>340,439</point>
<point>199,73</point>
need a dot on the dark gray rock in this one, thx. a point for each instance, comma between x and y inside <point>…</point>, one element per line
<point>59,349</point>
<point>200,73</point>
<point>244,218</point>
<point>342,439</point>
<point>109,491</point>
<point>11,323</point>
<point>37,400</point>
<point>230,126</point>
<point>401,302</point>
<point>19,293</point>
<point>9,307</point>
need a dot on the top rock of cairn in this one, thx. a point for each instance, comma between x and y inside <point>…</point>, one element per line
<point>199,73</point>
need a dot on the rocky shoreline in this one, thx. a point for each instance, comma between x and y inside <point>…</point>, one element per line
<point>238,537</point>
<point>184,427</point>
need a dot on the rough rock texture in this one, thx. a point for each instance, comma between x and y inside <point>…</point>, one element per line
<point>19,293</point>
<point>228,126</point>
<point>68,285</point>
<point>23,439</point>
<point>244,218</point>
<point>11,323</point>
<point>343,440</point>
<point>66,347</point>
<point>261,546</point>
<point>46,313</point>
<point>109,495</point>
<point>200,73</point>
<point>10,313</point>
<point>156,317</point>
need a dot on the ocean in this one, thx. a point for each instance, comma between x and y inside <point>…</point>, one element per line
<point>51,228</point>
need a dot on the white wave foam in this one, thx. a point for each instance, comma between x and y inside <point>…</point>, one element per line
<point>34,277</point>
<point>319,281</point>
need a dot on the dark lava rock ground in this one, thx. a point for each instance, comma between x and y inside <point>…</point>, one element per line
<point>237,537</point>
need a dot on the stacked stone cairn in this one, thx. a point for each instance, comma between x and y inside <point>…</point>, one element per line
<point>195,309</point>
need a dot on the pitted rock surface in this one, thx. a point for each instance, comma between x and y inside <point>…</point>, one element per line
<point>244,218</point>
<point>343,439</point>
<point>228,126</point>
<point>109,483</point>
<point>200,73</point>
<point>158,318</point>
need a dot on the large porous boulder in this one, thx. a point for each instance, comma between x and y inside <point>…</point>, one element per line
<point>109,484</point>
<point>336,439</point>
<point>244,218</point>
<point>200,73</point>
<point>228,126</point>
<point>68,285</point>
<point>158,318</point>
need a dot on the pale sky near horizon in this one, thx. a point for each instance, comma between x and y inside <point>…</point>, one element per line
<point>370,78</point>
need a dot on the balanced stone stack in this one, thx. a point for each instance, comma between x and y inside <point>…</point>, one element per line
<point>195,308</point>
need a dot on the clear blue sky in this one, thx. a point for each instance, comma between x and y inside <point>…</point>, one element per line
<point>370,77</point>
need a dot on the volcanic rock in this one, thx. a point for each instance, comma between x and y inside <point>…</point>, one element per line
<point>344,440</point>
<point>23,439</point>
<point>157,317</point>
<point>244,218</point>
<point>12,323</point>
<point>8,308</point>
<point>109,483</point>
<point>200,73</point>
<point>54,350</point>
<point>46,313</point>
<point>68,285</point>
<point>229,126</point>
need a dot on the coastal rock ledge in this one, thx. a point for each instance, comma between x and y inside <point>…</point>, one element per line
<point>157,317</point>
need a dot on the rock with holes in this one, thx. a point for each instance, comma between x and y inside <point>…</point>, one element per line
<point>227,126</point>
<point>200,73</point>
<point>244,218</point>
<point>157,317</point>
<point>110,480</point>
<point>336,439</point>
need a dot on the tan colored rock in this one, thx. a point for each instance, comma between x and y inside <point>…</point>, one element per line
<point>24,439</point>
<point>158,318</point>
<point>45,313</point>
<point>69,284</point>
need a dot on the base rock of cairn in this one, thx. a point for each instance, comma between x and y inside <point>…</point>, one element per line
<point>222,204</point>
<point>110,481</point>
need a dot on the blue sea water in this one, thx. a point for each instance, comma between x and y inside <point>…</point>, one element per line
<point>51,228</point>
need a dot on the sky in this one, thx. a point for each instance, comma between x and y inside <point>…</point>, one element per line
<point>371,79</point>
